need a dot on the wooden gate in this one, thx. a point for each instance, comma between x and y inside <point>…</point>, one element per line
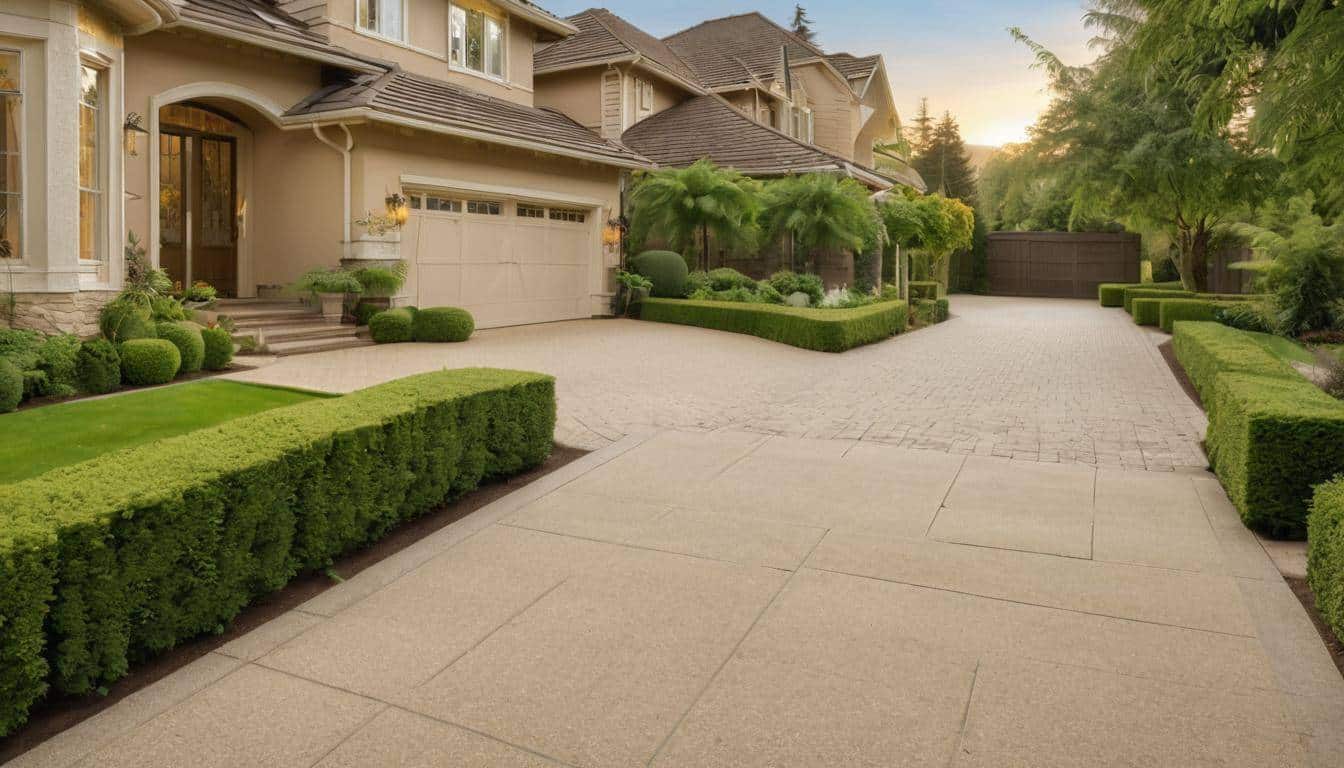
<point>1066,265</point>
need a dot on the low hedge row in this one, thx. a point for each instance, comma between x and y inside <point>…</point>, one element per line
<point>1325,553</point>
<point>1272,434</point>
<point>824,330</point>
<point>1113,294</point>
<point>1148,292</point>
<point>106,562</point>
<point>1171,311</point>
<point>924,289</point>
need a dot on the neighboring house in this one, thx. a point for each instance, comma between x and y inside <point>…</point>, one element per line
<point>240,139</point>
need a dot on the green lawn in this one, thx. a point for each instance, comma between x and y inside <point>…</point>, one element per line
<point>1290,351</point>
<point>40,439</point>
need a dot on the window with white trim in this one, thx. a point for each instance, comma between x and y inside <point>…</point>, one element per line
<point>382,17</point>
<point>91,142</point>
<point>484,207</point>
<point>435,203</point>
<point>11,155</point>
<point>569,214</point>
<point>526,211</point>
<point>476,41</point>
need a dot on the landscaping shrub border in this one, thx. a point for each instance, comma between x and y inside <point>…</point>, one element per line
<point>1147,292</point>
<point>924,289</point>
<point>1325,553</point>
<point>824,330</point>
<point>1113,294</point>
<point>125,555</point>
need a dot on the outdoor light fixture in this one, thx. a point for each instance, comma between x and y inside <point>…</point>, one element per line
<point>133,132</point>
<point>397,208</point>
<point>612,232</point>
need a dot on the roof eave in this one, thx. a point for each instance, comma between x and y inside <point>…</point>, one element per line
<point>264,41</point>
<point>540,18</point>
<point>372,114</point>
<point>141,16</point>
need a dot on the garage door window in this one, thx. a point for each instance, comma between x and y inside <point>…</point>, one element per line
<point>484,207</point>
<point>568,214</point>
<point>526,211</point>
<point>435,203</point>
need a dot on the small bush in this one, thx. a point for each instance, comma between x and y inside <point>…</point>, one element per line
<point>58,358</point>
<point>788,283</point>
<point>122,320</point>
<point>98,367</point>
<point>930,312</point>
<point>1171,311</point>
<point>825,330</point>
<point>697,281</point>
<point>364,312</point>
<point>665,269</point>
<point>768,294</point>
<point>943,310</point>
<point>726,279</point>
<point>186,336</point>
<point>442,324</point>
<point>924,289</point>
<point>218,349</point>
<point>1209,350</point>
<point>1325,552</point>
<point>11,388</point>
<point>20,347</point>
<point>392,326</point>
<point>1148,292</point>
<point>166,308</point>
<point>149,361</point>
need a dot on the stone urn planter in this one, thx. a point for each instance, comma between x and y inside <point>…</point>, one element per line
<point>333,306</point>
<point>368,246</point>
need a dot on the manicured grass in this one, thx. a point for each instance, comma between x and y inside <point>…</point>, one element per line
<point>1286,350</point>
<point>41,439</point>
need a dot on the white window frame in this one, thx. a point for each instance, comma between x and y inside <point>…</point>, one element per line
<point>100,144</point>
<point>404,34</point>
<point>459,63</point>
<point>19,253</point>
<point>492,207</point>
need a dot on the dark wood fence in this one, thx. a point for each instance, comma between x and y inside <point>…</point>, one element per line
<point>1060,264</point>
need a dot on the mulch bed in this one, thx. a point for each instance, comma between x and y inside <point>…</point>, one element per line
<point>234,367</point>
<point>62,712</point>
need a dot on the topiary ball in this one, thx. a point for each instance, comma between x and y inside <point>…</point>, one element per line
<point>440,324</point>
<point>11,386</point>
<point>149,361</point>
<point>391,327</point>
<point>665,269</point>
<point>123,320</point>
<point>98,367</point>
<point>186,336</point>
<point>218,349</point>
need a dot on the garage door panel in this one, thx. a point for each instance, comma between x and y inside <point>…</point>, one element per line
<point>529,243</point>
<point>438,240</point>
<point>439,285</point>
<point>570,244</point>
<point>489,283</point>
<point>552,281</point>
<point>484,239</point>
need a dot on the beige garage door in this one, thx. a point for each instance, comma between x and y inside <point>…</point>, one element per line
<point>508,262</point>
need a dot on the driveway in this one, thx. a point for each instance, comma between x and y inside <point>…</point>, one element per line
<point>737,594</point>
<point>1034,380</point>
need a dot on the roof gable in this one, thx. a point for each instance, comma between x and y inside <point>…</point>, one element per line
<point>604,36</point>
<point>739,50</point>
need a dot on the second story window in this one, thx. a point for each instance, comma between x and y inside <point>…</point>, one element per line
<point>476,41</point>
<point>381,17</point>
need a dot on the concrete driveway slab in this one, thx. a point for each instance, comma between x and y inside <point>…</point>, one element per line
<point>1020,505</point>
<point>407,740</point>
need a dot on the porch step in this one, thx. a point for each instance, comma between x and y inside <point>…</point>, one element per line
<point>318,329</point>
<point>306,346</point>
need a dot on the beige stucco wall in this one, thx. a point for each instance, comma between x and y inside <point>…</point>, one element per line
<point>835,110</point>
<point>576,92</point>
<point>425,50</point>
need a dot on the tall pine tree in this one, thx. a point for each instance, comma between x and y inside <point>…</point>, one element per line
<point>940,156</point>
<point>920,132</point>
<point>802,25</point>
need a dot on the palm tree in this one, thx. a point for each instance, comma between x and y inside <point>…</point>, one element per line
<point>681,205</point>
<point>822,211</point>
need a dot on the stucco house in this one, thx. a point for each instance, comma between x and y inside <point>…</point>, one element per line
<point>241,139</point>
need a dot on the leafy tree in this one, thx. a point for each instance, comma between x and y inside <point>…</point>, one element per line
<point>822,211</point>
<point>932,225</point>
<point>802,25</point>
<point>685,206</point>
<point>1303,266</point>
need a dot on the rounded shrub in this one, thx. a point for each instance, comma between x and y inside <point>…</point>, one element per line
<point>218,349</point>
<point>789,283</point>
<point>186,336</point>
<point>58,358</point>
<point>439,324</point>
<point>124,320</point>
<point>11,386</point>
<point>392,326</point>
<point>98,367</point>
<point>149,361</point>
<point>665,269</point>
<point>727,278</point>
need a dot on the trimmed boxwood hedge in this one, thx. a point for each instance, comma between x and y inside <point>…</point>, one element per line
<point>1325,553</point>
<point>149,361</point>
<point>11,386</point>
<point>1113,294</point>
<point>392,327</point>
<point>1148,292</point>
<point>1270,441</point>
<point>186,336</point>
<point>442,324</point>
<point>1147,311</point>
<point>825,330</point>
<point>218,349</point>
<point>108,561</point>
<point>1208,350</point>
<point>1170,311</point>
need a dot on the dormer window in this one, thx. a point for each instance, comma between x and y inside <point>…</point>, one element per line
<point>476,41</point>
<point>382,17</point>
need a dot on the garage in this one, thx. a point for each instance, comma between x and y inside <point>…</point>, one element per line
<point>507,259</point>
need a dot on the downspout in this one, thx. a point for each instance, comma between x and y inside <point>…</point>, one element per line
<point>345,187</point>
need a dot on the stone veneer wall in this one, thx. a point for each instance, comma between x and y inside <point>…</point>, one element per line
<point>75,313</point>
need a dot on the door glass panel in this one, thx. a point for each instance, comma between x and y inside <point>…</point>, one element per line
<point>170,189</point>
<point>216,193</point>
<point>90,186</point>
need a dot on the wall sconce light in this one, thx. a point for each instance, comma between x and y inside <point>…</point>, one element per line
<point>613,232</point>
<point>397,208</point>
<point>133,131</point>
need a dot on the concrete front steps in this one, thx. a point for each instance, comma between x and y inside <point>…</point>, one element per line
<point>284,328</point>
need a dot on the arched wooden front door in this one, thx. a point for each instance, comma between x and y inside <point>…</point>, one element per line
<point>198,190</point>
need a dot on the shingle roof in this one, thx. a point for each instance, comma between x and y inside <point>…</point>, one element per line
<point>263,21</point>
<point>708,126</point>
<point>604,36</point>
<point>442,103</point>
<point>737,50</point>
<point>852,66</point>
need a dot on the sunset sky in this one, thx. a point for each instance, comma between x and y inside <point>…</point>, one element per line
<point>956,52</point>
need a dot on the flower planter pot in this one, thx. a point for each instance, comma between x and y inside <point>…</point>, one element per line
<point>333,306</point>
<point>365,246</point>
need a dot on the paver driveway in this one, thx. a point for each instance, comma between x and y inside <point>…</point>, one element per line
<point>737,598</point>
